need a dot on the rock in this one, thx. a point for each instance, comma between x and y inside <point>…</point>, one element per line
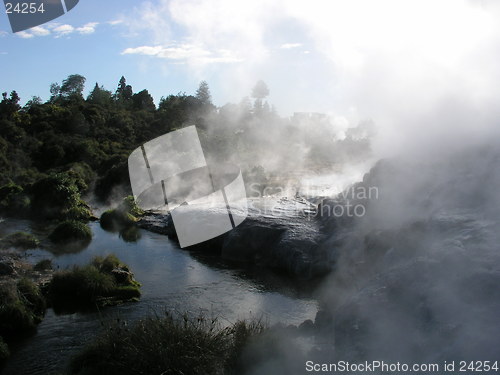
<point>306,326</point>
<point>278,233</point>
<point>122,276</point>
<point>7,267</point>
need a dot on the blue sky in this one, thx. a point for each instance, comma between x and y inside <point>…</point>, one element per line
<point>92,48</point>
<point>103,40</point>
<point>354,59</point>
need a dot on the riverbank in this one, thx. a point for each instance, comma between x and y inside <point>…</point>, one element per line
<point>172,280</point>
<point>27,289</point>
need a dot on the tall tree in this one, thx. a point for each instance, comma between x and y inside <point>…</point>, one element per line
<point>9,105</point>
<point>100,95</point>
<point>143,100</point>
<point>124,92</point>
<point>55,90</point>
<point>73,86</point>
<point>259,92</point>
<point>203,94</point>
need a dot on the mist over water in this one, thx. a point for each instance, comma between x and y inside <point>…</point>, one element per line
<point>417,278</point>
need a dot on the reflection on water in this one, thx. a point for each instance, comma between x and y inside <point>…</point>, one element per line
<point>171,279</point>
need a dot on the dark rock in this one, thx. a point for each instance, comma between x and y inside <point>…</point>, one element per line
<point>278,233</point>
<point>7,267</point>
<point>307,326</point>
<point>122,275</point>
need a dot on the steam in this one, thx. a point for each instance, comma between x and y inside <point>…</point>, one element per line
<point>417,277</point>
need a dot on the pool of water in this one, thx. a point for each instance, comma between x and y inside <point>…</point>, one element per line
<point>172,279</point>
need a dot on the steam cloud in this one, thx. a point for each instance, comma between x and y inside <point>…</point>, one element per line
<point>417,278</point>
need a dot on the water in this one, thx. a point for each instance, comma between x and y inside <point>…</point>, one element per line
<point>172,279</point>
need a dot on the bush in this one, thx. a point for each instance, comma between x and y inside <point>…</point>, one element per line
<point>19,240</point>
<point>122,217</point>
<point>129,205</point>
<point>80,212</point>
<point>71,231</point>
<point>57,197</point>
<point>22,308</point>
<point>165,345</point>
<point>32,297</point>
<point>82,174</point>
<point>53,195</point>
<point>106,281</point>
<point>13,200</point>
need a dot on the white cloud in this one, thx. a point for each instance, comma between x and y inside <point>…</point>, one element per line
<point>115,22</point>
<point>24,35</point>
<point>39,31</point>
<point>88,28</point>
<point>64,29</point>
<point>185,53</point>
<point>57,30</point>
<point>290,45</point>
<point>3,33</point>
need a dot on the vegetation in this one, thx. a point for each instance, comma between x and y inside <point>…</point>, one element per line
<point>58,197</point>
<point>166,345</point>
<point>13,200</point>
<point>22,308</point>
<point>53,153</point>
<point>121,217</point>
<point>71,231</point>
<point>20,240</point>
<point>105,281</point>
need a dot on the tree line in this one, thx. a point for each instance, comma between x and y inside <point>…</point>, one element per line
<point>87,140</point>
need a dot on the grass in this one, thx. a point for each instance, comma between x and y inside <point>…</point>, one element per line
<point>106,281</point>
<point>80,212</point>
<point>71,231</point>
<point>122,217</point>
<point>22,308</point>
<point>171,344</point>
<point>19,240</point>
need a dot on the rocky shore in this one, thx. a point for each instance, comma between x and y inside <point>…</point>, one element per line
<point>279,233</point>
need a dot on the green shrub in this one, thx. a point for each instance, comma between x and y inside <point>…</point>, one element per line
<point>22,308</point>
<point>105,281</point>
<point>122,217</point>
<point>20,240</point>
<point>54,195</point>
<point>13,200</point>
<point>81,284</point>
<point>165,345</point>
<point>32,297</point>
<point>58,197</point>
<point>82,174</point>
<point>129,205</point>
<point>80,212</point>
<point>71,231</point>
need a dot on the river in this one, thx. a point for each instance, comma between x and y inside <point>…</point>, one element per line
<point>172,279</point>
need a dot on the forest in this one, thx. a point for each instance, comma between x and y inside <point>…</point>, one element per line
<point>79,146</point>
